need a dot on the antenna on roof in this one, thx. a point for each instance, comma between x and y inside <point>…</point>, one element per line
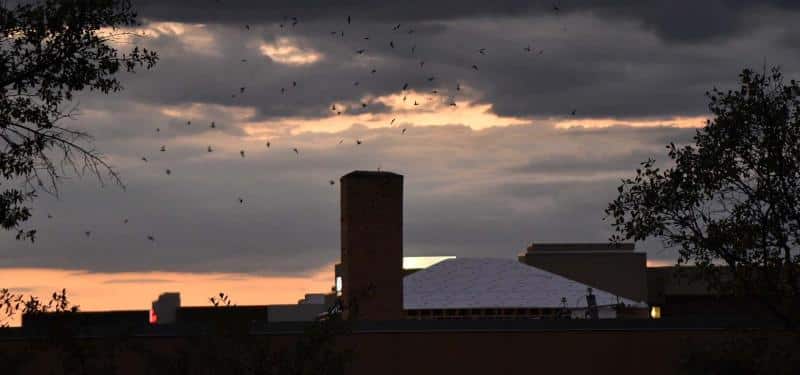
<point>591,303</point>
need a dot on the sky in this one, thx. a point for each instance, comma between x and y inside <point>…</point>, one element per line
<point>551,109</point>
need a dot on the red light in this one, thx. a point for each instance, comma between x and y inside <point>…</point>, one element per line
<point>153,317</point>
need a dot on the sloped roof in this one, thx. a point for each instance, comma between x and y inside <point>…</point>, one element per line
<point>495,283</point>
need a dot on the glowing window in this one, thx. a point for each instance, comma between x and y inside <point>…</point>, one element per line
<point>655,312</point>
<point>338,285</point>
<point>153,317</point>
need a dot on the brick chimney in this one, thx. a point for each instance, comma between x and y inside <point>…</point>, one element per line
<point>372,245</point>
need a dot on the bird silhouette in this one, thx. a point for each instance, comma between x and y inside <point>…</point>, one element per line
<point>421,63</point>
<point>573,112</point>
<point>213,125</point>
<point>244,60</point>
<point>247,27</point>
<point>125,221</point>
<point>397,27</point>
<point>209,148</point>
<point>332,182</point>
<point>373,71</point>
<point>392,122</point>
<point>475,67</point>
<point>151,238</point>
<point>482,51</point>
<point>158,130</point>
<point>341,141</point>
<point>268,144</point>
<point>405,86</point>
<point>361,51</point>
<point>528,48</point>
<point>366,37</point>
<point>415,103</point>
<point>294,83</point>
<point>88,233</point>
<point>49,216</point>
<point>358,141</point>
<point>296,151</point>
<point>363,105</point>
<point>241,152</point>
<point>294,21</point>
<point>556,8</point>
<point>163,148</point>
<point>430,79</point>
<point>241,90</point>
<point>348,20</point>
<point>391,43</point>
<point>355,83</point>
<point>404,131</point>
<point>411,31</point>
<point>188,123</point>
<point>144,159</point>
<point>458,87</point>
<point>283,90</point>
<point>169,172</point>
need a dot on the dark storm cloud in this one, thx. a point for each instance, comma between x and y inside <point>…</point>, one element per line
<point>459,200</point>
<point>600,60</point>
<point>679,21</point>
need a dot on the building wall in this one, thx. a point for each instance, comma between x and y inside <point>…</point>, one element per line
<point>651,352</point>
<point>372,245</point>
<point>619,272</point>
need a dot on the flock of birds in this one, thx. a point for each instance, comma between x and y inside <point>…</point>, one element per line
<point>293,22</point>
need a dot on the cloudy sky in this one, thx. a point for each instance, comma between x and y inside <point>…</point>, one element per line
<point>561,106</point>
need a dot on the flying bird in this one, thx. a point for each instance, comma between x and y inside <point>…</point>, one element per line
<point>213,125</point>
<point>241,152</point>
<point>404,131</point>
<point>169,172</point>
<point>458,87</point>
<point>49,216</point>
<point>528,48</point>
<point>158,130</point>
<point>366,37</point>
<point>241,200</point>
<point>144,159</point>
<point>391,43</point>
<point>482,51</point>
<point>411,31</point>
<point>361,51</point>
<point>294,21</point>
<point>405,86</point>
<point>373,71</point>
<point>247,27</point>
<point>363,105</point>
<point>332,182</point>
<point>294,83</point>
<point>421,63</point>
<point>355,83</point>
<point>430,79</point>
<point>358,141</point>
<point>125,221</point>
<point>209,149</point>
<point>268,144</point>
<point>475,67</point>
<point>188,123</point>
<point>397,27</point>
<point>392,122</point>
<point>241,90</point>
<point>88,233</point>
<point>163,148</point>
<point>296,151</point>
<point>573,112</point>
<point>283,90</point>
<point>151,238</point>
<point>244,60</point>
<point>341,141</point>
<point>348,20</point>
<point>333,107</point>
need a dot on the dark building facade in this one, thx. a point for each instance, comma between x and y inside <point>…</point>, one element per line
<point>614,268</point>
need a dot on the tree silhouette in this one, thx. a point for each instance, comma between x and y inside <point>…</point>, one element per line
<point>730,203</point>
<point>49,50</point>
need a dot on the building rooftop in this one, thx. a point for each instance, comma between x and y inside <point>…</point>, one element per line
<point>496,283</point>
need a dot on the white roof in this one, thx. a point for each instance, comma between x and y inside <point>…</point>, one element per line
<point>495,283</point>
